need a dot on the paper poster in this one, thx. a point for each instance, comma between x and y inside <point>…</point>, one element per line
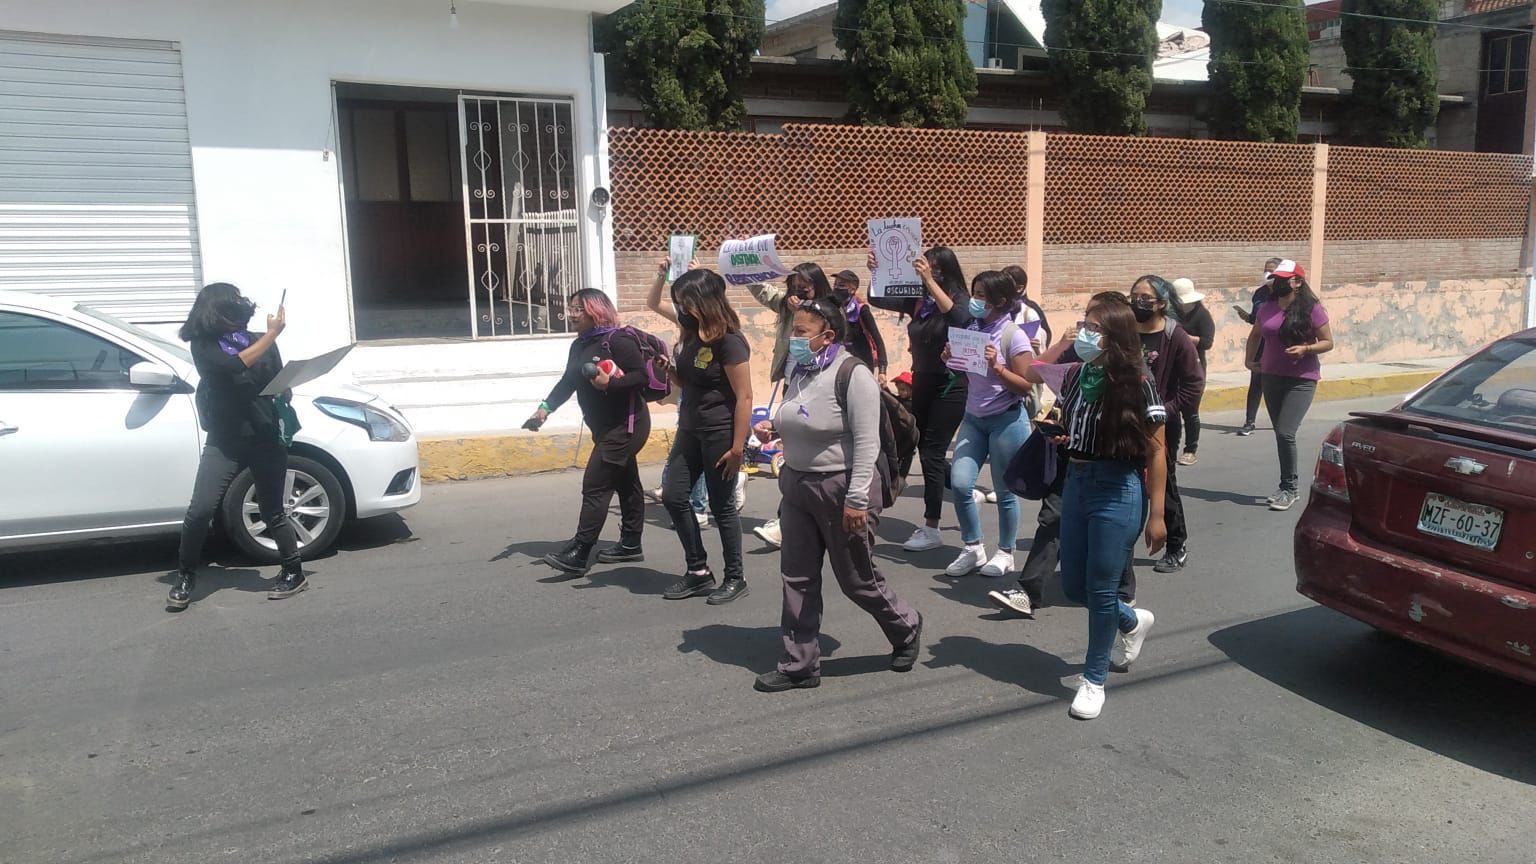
<point>968,350</point>
<point>680,248</point>
<point>896,244</point>
<point>296,373</point>
<point>756,259</point>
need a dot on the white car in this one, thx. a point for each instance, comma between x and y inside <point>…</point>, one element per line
<point>99,439</point>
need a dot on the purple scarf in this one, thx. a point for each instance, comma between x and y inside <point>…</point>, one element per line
<point>234,342</point>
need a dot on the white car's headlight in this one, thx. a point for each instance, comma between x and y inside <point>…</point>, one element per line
<point>380,426</point>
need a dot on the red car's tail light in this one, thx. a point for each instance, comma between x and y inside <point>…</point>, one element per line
<point>1330,479</point>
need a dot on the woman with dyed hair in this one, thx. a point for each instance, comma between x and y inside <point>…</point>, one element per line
<point>606,372</point>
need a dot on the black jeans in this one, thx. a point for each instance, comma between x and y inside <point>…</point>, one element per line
<point>222,460</point>
<point>1288,400</point>
<point>1045,550</point>
<point>1173,505</point>
<point>1255,393</point>
<point>938,405</point>
<point>694,454</point>
<point>612,469</point>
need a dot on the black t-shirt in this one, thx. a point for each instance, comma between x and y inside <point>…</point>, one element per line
<point>229,400</point>
<point>708,400</point>
<point>1152,346</point>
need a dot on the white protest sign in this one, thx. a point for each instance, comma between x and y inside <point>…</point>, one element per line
<point>680,251</point>
<point>746,262</point>
<point>896,243</point>
<point>968,350</point>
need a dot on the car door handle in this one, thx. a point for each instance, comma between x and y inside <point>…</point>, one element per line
<point>8,429</point>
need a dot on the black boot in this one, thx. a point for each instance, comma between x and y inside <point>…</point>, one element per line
<point>729,590</point>
<point>574,560</point>
<point>290,582</point>
<point>181,592</point>
<point>691,585</point>
<point>627,549</point>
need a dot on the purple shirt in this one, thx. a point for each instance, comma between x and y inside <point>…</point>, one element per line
<point>1274,360</point>
<point>987,396</point>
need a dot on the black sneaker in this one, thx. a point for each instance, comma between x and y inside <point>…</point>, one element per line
<point>290,583</point>
<point>691,585</point>
<point>1172,562</point>
<point>905,656</point>
<point>181,593</point>
<point>778,682</point>
<point>574,560</point>
<point>621,552</point>
<point>729,590</point>
<point>1248,429</point>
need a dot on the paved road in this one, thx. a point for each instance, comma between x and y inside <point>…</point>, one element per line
<point>431,700</point>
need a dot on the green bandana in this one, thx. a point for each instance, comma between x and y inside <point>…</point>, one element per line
<point>1092,382</point>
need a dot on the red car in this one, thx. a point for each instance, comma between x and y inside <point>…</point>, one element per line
<point>1422,519</point>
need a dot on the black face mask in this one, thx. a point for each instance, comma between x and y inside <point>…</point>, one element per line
<point>1282,288</point>
<point>688,322</point>
<point>237,312</point>
<point>1143,311</point>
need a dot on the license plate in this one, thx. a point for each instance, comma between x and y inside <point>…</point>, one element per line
<point>1472,524</point>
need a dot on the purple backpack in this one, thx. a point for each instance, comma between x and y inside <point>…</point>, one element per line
<point>656,354</point>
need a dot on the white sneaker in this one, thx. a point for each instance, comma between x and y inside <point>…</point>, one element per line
<point>770,534</point>
<point>970,558</point>
<point>1013,600</point>
<point>654,494</point>
<point>703,519</point>
<point>1088,702</point>
<point>923,539</point>
<point>1000,565</point>
<point>1128,645</point>
<point>741,491</point>
<point>991,497</point>
<point>979,497</point>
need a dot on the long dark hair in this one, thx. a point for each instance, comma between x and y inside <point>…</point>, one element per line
<point>1022,277</point>
<point>703,291</point>
<point>1164,291</point>
<point>947,272</point>
<point>1123,423</point>
<point>1001,291</point>
<point>1297,328</point>
<point>219,309</point>
<point>811,272</point>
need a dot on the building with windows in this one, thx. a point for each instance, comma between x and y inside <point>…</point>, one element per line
<point>422,177</point>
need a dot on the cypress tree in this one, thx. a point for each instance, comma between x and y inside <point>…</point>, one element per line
<point>685,60</point>
<point>1101,54</point>
<point>1395,71</point>
<point>907,63</point>
<point>1258,65</point>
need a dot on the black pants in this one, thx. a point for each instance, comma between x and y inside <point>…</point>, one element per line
<point>938,405</point>
<point>222,460</point>
<point>612,469</point>
<point>1255,394</point>
<point>1045,550</point>
<point>1173,505</point>
<point>694,454</point>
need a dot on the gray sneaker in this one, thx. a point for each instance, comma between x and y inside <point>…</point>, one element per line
<point>1275,495</point>
<point>1284,500</point>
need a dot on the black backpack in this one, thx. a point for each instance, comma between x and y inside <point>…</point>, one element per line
<point>886,463</point>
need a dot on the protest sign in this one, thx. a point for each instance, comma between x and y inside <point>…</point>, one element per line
<point>968,350</point>
<point>745,262</point>
<point>896,243</point>
<point>680,249</point>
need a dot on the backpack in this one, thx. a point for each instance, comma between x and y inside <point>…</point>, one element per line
<point>886,464</point>
<point>655,354</point>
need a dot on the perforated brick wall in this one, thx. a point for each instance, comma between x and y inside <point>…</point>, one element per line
<point>1378,194</point>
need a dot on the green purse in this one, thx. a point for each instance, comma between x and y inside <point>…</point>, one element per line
<point>287,420</point>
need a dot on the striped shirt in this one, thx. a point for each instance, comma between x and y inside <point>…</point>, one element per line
<point>1082,417</point>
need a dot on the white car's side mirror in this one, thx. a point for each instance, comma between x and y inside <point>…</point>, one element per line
<point>151,376</point>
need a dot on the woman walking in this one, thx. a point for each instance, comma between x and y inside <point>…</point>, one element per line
<point>233,366</point>
<point>995,425</point>
<point>863,338</point>
<point>938,392</point>
<point>1114,420</point>
<point>833,492</point>
<point>1293,330</point>
<point>710,364</point>
<point>1201,328</point>
<point>605,371</point>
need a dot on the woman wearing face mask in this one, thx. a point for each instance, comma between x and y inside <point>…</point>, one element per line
<point>833,491</point>
<point>938,392</point>
<point>995,424</point>
<point>233,366</point>
<point>1293,329</point>
<point>714,412</point>
<point>620,421</point>
<point>1114,420</point>
<point>1202,328</point>
<point>863,340</point>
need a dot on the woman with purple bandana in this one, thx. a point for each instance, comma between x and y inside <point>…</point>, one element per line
<point>233,366</point>
<point>996,423</point>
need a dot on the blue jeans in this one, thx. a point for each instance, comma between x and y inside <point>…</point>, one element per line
<point>981,438</point>
<point>1102,511</point>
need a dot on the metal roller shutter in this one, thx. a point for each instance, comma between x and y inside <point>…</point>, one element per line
<point>96,198</point>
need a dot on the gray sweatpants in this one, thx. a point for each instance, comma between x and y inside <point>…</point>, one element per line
<point>1287,400</point>
<point>811,519</point>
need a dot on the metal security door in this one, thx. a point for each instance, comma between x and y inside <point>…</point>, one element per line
<point>522,233</point>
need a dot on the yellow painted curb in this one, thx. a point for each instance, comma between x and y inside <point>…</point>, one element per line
<point>518,453</point>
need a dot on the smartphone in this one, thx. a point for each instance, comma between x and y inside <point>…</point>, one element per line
<point>1051,430</point>
<point>283,299</point>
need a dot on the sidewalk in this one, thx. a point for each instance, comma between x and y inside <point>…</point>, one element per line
<point>516,452</point>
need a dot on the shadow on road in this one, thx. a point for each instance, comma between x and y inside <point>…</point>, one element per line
<point>388,530</point>
<point>1024,665</point>
<point>638,580</point>
<point>212,580</point>
<point>755,649</point>
<point>1408,692</point>
<point>88,561</point>
<point>1221,496</point>
<point>531,550</point>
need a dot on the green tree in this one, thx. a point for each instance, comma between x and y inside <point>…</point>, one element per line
<point>1258,65</point>
<point>1395,71</point>
<point>1101,53</point>
<point>685,60</point>
<point>907,63</point>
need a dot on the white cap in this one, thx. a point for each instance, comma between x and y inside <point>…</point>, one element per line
<point>1185,289</point>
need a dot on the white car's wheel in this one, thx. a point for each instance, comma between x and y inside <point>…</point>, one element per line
<point>316,506</point>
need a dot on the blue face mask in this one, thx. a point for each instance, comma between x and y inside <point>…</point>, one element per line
<point>800,350</point>
<point>1089,345</point>
<point>978,308</point>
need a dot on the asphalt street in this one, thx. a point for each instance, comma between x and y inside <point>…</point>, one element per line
<point>431,698</point>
